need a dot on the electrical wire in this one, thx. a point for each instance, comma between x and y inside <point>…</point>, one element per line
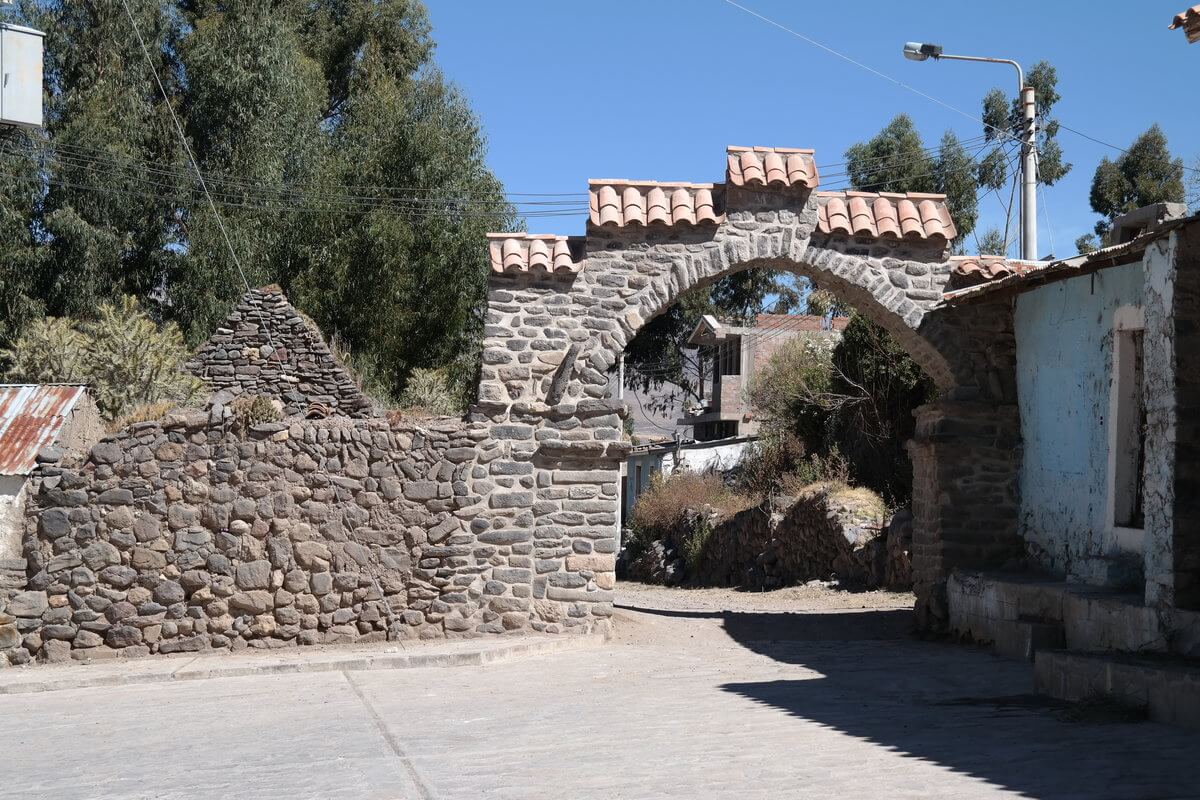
<point>872,70</point>
<point>87,152</point>
<point>187,149</point>
<point>346,204</point>
<point>1107,144</point>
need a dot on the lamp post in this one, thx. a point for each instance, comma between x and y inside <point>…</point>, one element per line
<point>918,51</point>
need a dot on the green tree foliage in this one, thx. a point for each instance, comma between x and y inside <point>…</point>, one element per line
<point>345,167</point>
<point>103,107</point>
<point>254,124</point>
<point>992,243</point>
<point>21,299</point>
<point>896,160</point>
<point>1004,125</point>
<point>1144,174</point>
<point>1193,187</point>
<point>124,356</point>
<point>851,404</point>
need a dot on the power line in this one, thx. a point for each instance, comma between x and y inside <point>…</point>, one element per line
<point>916,91</point>
<point>187,149</point>
<point>88,151</point>
<point>261,192</point>
<point>1107,144</point>
<point>872,70</point>
<point>410,212</point>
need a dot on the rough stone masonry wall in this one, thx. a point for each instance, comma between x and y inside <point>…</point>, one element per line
<point>789,540</point>
<point>188,535</point>
<point>267,347</point>
<point>1179,581</point>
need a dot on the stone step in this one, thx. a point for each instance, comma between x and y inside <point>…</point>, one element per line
<point>1021,639</point>
<point>1166,688</point>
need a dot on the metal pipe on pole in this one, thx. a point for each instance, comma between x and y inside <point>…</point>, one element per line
<point>918,51</point>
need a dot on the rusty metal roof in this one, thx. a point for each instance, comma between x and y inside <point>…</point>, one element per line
<point>31,417</point>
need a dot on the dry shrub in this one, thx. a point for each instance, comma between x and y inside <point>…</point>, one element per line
<point>147,412</point>
<point>665,502</point>
<point>779,463</point>
<point>254,409</point>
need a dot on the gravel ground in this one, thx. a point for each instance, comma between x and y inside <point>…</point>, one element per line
<point>815,597</point>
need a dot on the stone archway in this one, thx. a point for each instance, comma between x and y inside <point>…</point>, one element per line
<point>562,308</point>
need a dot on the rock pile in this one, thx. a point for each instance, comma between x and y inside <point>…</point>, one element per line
<point>267,347</point>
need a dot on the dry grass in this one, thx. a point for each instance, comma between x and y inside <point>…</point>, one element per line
<point>857,498</point>
<point>147,412</point>
<point>666,502</point>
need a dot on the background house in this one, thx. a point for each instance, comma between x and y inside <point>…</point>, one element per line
<point>733,354</point>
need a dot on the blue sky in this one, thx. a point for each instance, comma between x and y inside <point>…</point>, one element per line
<point>655,89</point>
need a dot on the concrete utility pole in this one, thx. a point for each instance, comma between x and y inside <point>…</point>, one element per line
<point>918,51</point>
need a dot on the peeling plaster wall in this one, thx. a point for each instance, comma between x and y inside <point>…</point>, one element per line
<point>1160,420</point>
<point>1064,371</point>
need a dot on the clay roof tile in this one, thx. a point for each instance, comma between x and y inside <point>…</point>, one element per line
<point>761,167</point>
<point>910,219</point>
<point>837,216</point>
<point>913,216</point>
<point>887,222</point>
<point>1189,20</point>
<point>862,218</point>
<point>520,253</point>
<point>620,202</point>
<point>633,206</point>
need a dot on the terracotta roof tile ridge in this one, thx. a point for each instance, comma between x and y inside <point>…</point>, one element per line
<point>1183,16</point>
<point>536,253</point>
<point>889,195</point>
<point>771,167</point>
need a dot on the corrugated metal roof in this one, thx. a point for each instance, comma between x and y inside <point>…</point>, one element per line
<point>31,417</point>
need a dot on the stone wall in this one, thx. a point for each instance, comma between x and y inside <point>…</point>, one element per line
<point>190,534</point>
<point>267,347</point>
<point>1177,565</point>
<point>786,541</point>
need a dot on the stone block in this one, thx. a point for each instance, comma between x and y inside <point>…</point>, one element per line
<point>27,604</point>
<point>253,602</point>
<point>253,575</point>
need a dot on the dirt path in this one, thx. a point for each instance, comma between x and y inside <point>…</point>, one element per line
<point>793,599</point>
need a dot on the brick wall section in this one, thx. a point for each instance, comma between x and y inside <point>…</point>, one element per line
<point>267,347</point>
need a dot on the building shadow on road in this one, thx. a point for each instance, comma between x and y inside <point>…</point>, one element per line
<point>863,674</point>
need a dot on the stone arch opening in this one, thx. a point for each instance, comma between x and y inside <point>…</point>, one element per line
<point>561,309</point>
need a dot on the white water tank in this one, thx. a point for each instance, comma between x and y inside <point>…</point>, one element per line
<point>20,76</point>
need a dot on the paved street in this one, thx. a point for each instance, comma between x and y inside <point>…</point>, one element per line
<point>682,704</point>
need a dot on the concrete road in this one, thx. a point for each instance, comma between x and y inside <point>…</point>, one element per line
<point>835,704</point>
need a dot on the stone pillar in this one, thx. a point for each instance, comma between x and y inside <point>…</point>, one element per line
<point>552,486</point>
<point>965,462</point>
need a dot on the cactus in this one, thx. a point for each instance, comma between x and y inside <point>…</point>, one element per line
<point>125,358</point>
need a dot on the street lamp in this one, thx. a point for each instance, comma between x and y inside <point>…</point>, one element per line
<point>921,51</point>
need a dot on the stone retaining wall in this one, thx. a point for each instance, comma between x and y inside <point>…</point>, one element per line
<point>787,541</point>
<point>190,534</point>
